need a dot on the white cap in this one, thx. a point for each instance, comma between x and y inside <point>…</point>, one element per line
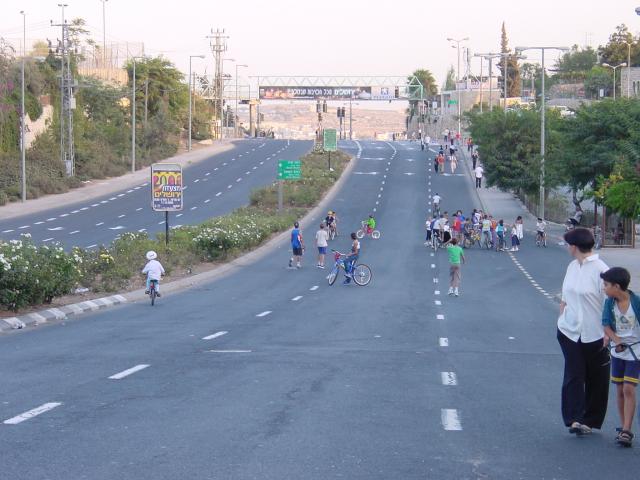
<point>151,255</point>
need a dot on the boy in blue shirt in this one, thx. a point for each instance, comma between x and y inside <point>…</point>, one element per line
<point>620,319</point>
<point>297,246</point>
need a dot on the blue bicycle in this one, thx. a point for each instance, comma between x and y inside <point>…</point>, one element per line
<point>360,273</point>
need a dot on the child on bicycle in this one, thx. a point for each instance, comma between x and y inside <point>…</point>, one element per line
<point>154,270</point>
<point>351,259</point>
<point>621,324</point>
<point>541,225</point>
<point>371,224</point>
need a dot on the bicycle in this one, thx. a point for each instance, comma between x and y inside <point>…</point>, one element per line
<point>360,273</point>
<point>436,242</point>
<point>366,230</point>
<point>472,239</point>
<point>332,231</point>
<point>486,240</point>
<point>541,239</point>
<point>436,210</point>
<point>153,291</point>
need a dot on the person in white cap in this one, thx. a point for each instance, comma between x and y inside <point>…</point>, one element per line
<point>154,270</point>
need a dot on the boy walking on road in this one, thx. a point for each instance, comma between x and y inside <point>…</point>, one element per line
<point>620,321</point>
<point>456,256</point>
<point>297,246</point>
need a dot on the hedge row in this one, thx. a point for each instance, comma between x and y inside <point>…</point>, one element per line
<point>32,275</point>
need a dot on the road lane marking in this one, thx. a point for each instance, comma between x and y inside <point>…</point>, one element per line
<point>215,335</point>
<point>438,302</point>
<point>264,314</point>
<point>229,351</point>
<point>104,201</point>
<point>91,246</point>
<point>437,292</point>
<point>314,288</point>
<point>55,229</point>
<point>433,265</point>
<point>450,379</point>
<point>64,215</point>
<point>194,208</point>
<point>47,239</point>
<point>95,204</point>
<point>138,209</point>
<point>122,216</point>
<point>74,232</point>
<point>238,180</point>
<point>207,200</point>
<point>444,342</point>
<point>450,419</point>
<point>75,211</point>
<point>229,186</point>
<point>38,223</point>
<point>207,174</point>
<point>51,219</point>
<point>159,223</point>
<point>32,413</point>
<point>439,317</point>
<point>7,231</point>
<point>119,227</point>
<point>130,191</point>
<point>295,299</point>
<point>218,194</point>
<point>113,198</point>
<point>224,164</point>
<point>142,230</point>
<point>196,180</point>
<point>215,169</point>
<point>129,371</point>
<point>179,215</point>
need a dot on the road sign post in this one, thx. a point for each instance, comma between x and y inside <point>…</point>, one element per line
<point>166,190</point>
<point>287,170</point>
<point>330,142</point>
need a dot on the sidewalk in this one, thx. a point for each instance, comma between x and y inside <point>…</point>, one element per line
<point>504,205</point>
<point>99,187</point>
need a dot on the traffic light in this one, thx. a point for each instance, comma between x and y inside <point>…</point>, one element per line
<point>318,107</point>
<point>324,107</point>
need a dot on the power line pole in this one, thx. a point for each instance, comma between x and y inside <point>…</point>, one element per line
<point>67,100</point>
<point>218,43</point>
<point>23,147</point>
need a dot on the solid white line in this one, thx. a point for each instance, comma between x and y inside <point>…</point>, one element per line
<point>215,335</point>
<point>449,378</point>
<point>314,288</point>
<point>32,413</point>
<point>126,373</point>
<point>450,419</point>
<point>439,317</point>
<point>444,342</point>
<point>295,299</point>
<point>264,314</point>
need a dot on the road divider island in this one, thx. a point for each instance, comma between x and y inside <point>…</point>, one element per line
<point>33,274</point>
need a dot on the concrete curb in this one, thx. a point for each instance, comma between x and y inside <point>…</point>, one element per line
<point>62,313</point>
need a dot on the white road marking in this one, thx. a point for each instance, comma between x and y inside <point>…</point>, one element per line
<point>95,204</point>
<point>433,265</point>
<point>64,215</point>
<point>215,335</point>
<point>51,219</point>
<point>374,210</point>
<point>196,180</point>
<point>38,223</point>
<point>74,232</point>
<point>512,338</point>
<point>238,180</point>
<point>161,223</point>
<point>229,186</point>
<point>137,188</point>
<point>295,299</point>
<point>437,292</point>
<point>439,317</point>
<point>113,198</point>
<point>119,227</point>
<point>215,169</point>
<point>450,419</point>
<point>449,379</point>
<point>194,208</point>
<point>433,254</point>
<point>207,174</point>
<point>91,246</point>
<point>120,195</point>
<point>142,230</point>
<point>122,216</point>
<point>314,288</point>
<point>247,173</point>
<point>104,201</point>
<point>229,351</point>
<point>75,211</point>
<point>7,231</point>
<point>438,302</point>
<point>261,163</point>
<point>55,229</point>
<point>218,194</point>
<point>47,239</point>
<point>207,200</point>
<point>255,168</point>
<point>129,191</point>
<point>32,413</point>
<point>138,209</point>
<point>264,314</point>
<point>444,342</point>
<point>224,164</point>
<point>179,215</point>
<point>129,371</point>
<point>435,280</point>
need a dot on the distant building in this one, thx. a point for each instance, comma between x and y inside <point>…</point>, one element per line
<point>635,82</point>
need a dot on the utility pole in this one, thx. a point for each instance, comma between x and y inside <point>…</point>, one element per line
<point>104,35</point>
<point>235,113</point>
<point>67,101</point>
<point>190,104</point>
<point>218,43</point>
<point>458,42</point>
<point>23,165</point>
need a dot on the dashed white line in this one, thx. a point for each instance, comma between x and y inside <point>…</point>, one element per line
<point>229,351</point>
<point>51,219</point>
<point>443,341</point>
<point>218,194</point>
<point>449,379</point>
<point>194,208</point>
<point>179,215</point>
<point>450,419</point>
<point>215,335</point>
<point>238,180</point>
<point>295,299</point>
<point>215,169</point>
<point>264,314</point>
<point>64,215</point>
<point>91,246</point>
<point>207,174</point>
<point>229,186</point>
<point>122,216</point>
<point>207,200</point>
<point>314,288</point>
<point>7,231</point>
<point>196,180</point>
<point>38,223</point>
<point>113,198</point>
<point>74,232</point>
<point>47,239</point>
<point>437,302</point>
<point>439,317</point>
<point>95,204</point>
<point>32,413</point>
<point>75,211</point>
<point>437,292</point>
<point>138,209</point>
<point>129,371</point>
<point>433,265</point>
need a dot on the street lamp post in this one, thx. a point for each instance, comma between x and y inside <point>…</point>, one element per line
<point>190,103</point>
<point>23,165</point>
<point>222,113</point>
<point>458,42</point>
<point>542,123</point>
<point>236,117</point>
<point>628,70</point>
<point>133,117</point>
<point>613,67</point>
<point>104,35</point>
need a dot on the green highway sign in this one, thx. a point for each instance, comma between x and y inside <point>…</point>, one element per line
<point>452,102</point>
<point>289,170</point>
<point>330,140</point>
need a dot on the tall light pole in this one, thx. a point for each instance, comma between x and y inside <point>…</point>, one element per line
<point>613,67</point>
<point>235,112</point>
<point>542,123</point>
<point>104,35</point>
<point>458,42</point>
<point>23,147</point>
<point>190,108</point>
<point>133,117</point>
<point>490,57</point>
<point>628,70</point>
<point>223,115</point>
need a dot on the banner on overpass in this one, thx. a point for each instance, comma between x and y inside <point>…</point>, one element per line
<point>314,93</point>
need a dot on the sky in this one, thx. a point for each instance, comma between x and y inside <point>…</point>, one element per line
<point>330,37</point>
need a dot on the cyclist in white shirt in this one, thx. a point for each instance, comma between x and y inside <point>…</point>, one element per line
<point>436,204</point>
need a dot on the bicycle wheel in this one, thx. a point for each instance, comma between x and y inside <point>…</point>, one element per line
<point>361,274</point>
<point>360,234</point>
<point>375,234</point>
<point>152,294</point>
<point>333,275</point>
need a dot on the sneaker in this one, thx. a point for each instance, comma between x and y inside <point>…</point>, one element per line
<point>347,281</point>
<point>158,294</point>
<point>456,292</point>
<point>451,291</point>
<point>579,429</point>
<point>290,263</point>
<point>298,266</point>
<point>321,266</point>
<point>146,292</point>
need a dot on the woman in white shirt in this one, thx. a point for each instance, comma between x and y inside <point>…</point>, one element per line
<point>585,388</point>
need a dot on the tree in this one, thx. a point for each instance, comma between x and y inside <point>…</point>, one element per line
<point>427,80</point>
<point>616,51</point>
<point>510,62</point>
<point>450,80</point>
<point>596,79</point>
<point>575,65</point>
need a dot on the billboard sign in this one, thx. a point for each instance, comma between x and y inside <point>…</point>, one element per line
<point>289,170</point>
<point>330,140</point>
<point>166,187</point>
<point>313,93</point>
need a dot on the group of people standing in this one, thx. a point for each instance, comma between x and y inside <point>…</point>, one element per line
<point>597,310</point>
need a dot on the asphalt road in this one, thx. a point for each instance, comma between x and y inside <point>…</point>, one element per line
<point>269,373</point>
<point>214,186</point>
